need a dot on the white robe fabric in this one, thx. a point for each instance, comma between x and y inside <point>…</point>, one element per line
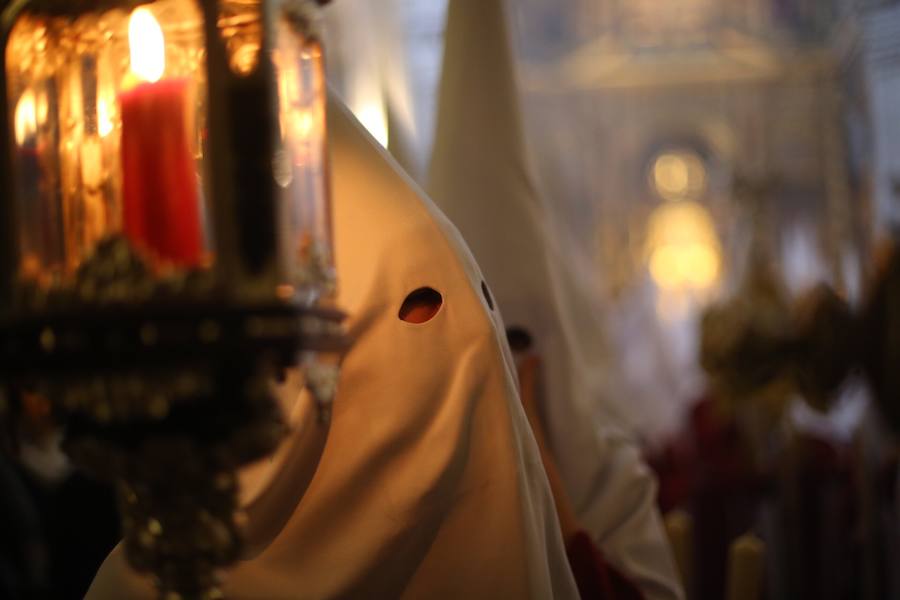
<point>430,484</point>
<point>481,178</point>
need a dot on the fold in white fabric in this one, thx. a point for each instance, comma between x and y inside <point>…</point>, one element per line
<point>481,178</point>
<point>430,484</point>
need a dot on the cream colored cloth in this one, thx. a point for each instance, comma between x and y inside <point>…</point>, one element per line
<point>430,485</point>
<point>481,178</point>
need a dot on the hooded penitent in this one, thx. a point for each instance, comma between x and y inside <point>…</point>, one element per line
<point>430,484</point>
<point>480,177</point>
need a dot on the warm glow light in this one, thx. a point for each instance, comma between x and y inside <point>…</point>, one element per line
<point>678,175</point>
<point>372,116</point>
<point>104,119</point>
<point>26,118</point>
<point>683,248</point>
<point>299,126</point>
<point>41,107</point>
<point>691,265</point>
<point>703,265</point>
<point>147,45</point>
<point>671,174</point>
<point>285,291</point>
<point>665,266</point>
<point>244,57</point>
<point>304,124</point>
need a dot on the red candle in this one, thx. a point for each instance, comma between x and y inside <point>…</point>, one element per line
<point>160,200</point>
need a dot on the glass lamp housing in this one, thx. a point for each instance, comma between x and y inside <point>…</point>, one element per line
<point>193,129</point>
<point>165,250</point>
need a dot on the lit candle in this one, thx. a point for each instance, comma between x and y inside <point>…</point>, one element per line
<point>160,202</point>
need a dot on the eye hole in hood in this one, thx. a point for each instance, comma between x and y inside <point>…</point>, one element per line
<point>519,339</point>
<point>421,305</point>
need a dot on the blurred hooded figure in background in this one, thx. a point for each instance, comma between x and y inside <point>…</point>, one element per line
<point>481,178</point>
<point>430,483</point>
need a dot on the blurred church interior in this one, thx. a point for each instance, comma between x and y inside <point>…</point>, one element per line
<point>672,141</point>
<point>696,163</point>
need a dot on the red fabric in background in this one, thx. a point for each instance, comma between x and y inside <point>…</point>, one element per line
<point>596,578</point>
<point>707,469</point>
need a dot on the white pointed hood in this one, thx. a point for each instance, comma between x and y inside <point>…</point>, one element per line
<point>480,177</point>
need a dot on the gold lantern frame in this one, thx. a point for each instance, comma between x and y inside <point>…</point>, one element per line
<point>162,380</point>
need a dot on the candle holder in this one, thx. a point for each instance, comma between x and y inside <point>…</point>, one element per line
<point>166,250</point>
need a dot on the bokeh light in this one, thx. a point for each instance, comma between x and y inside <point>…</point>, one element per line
<point>678,175</point>
<point>683,248</point>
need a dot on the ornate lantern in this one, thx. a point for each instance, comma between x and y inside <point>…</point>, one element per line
<point>166,248</point>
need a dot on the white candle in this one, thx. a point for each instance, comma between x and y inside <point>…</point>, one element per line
<point>680,529</point>
<point>745,568</point>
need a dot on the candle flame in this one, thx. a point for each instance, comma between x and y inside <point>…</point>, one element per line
<point>147,45</point>
<point>26,117</point>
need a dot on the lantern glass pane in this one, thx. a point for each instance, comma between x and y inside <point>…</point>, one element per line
<point>108,119</point>
<point>301,162</point>
<point>240,25</point>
